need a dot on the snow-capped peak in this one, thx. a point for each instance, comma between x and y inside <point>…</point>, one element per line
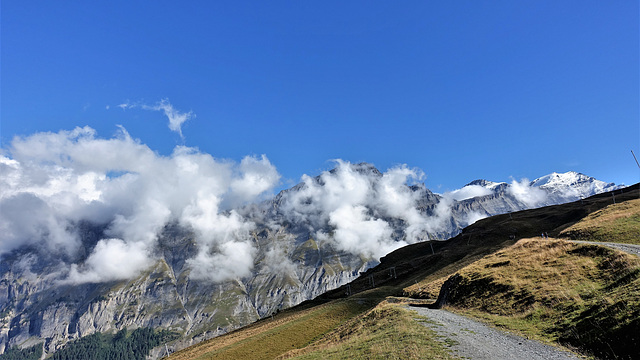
<point>556,179</point>
<point>491,185</point>
<point>474,189</point>
<point>572,183</point>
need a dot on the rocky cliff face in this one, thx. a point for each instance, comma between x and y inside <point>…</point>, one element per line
<point>306,240</point>
<point>37,307</point>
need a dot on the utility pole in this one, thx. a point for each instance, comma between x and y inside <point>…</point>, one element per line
<point>392,272</point>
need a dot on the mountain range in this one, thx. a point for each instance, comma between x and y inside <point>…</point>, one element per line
<point>311,238</point>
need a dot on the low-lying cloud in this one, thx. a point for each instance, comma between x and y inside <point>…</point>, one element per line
<point>469,192</point>
<point>351,207</point>
<point>53,181</point>
<point>531,196</point>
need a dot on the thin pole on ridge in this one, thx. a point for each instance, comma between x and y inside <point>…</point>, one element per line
<point>634,156</point>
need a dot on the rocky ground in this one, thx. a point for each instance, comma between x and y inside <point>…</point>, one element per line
<point>470,339</point>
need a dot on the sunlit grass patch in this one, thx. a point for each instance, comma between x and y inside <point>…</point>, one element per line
<point>271,338</point>
<point>615,223</point>
<point>387,332</point>
<point>587,296</point>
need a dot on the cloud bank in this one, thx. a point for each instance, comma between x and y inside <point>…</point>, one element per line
<point>352,206</point>
<point>52,181</point>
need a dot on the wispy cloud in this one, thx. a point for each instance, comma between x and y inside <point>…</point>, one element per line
<point>175,116</point>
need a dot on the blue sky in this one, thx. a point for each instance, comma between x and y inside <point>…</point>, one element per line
<point>460,89</point>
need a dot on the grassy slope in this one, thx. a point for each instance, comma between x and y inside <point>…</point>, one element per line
<point>420,270</point>
<point>583,295</point>
<point>617,223</point>
<point>291,329</point>
<point>386,332</point>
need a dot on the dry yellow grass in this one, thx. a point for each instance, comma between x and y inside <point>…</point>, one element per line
<point>270,338</point>
<point>585,295</point>
<point>429,286</point>
<point>615,223</point>
<point>386,332</point>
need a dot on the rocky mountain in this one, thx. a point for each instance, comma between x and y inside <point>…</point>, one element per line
<point>308,239</point>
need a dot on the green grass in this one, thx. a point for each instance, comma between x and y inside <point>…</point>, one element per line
<point>387,332</point>
<point>270,338</point>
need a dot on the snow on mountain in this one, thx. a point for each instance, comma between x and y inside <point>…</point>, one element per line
<point>474,189</point>
<point>308,239</point>
<point>558,187</point>
<point>572,185</point>
<point>485,183</point>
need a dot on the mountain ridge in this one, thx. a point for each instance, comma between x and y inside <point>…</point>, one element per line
<point>408,272</point>
<point>302,249</point>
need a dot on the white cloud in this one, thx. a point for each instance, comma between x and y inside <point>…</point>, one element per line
<point>472,217</point>
<point>51,181</point>
<point>531,196</point>
<point>469,192</point>
<point>26,219</point>
<point>257,176</point>
<point>276,261</point>
<point>358,233</point>
<point>112,259</point>
<point>176,118</point>
<point>232,260</point>
<point>354,200</point>
<point>399,201</point>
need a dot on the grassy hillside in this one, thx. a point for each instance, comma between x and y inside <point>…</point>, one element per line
<point>288,330</point>
<point>617,222</point>
<point>386,332</point>
<point>552,290</point>
<point>583,295</point>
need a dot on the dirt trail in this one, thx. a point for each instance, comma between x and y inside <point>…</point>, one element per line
<point>628,248</point>
<point>470,339</point>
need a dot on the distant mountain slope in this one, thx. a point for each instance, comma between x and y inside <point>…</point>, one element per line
<point>409,271</point>
<point>314,237</point>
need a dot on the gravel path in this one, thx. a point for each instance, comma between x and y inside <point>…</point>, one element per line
<point>628,248</point>
<point>470,339</point>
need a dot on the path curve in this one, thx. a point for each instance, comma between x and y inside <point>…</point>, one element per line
<point>628,248</point>
<point>470,339</point>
